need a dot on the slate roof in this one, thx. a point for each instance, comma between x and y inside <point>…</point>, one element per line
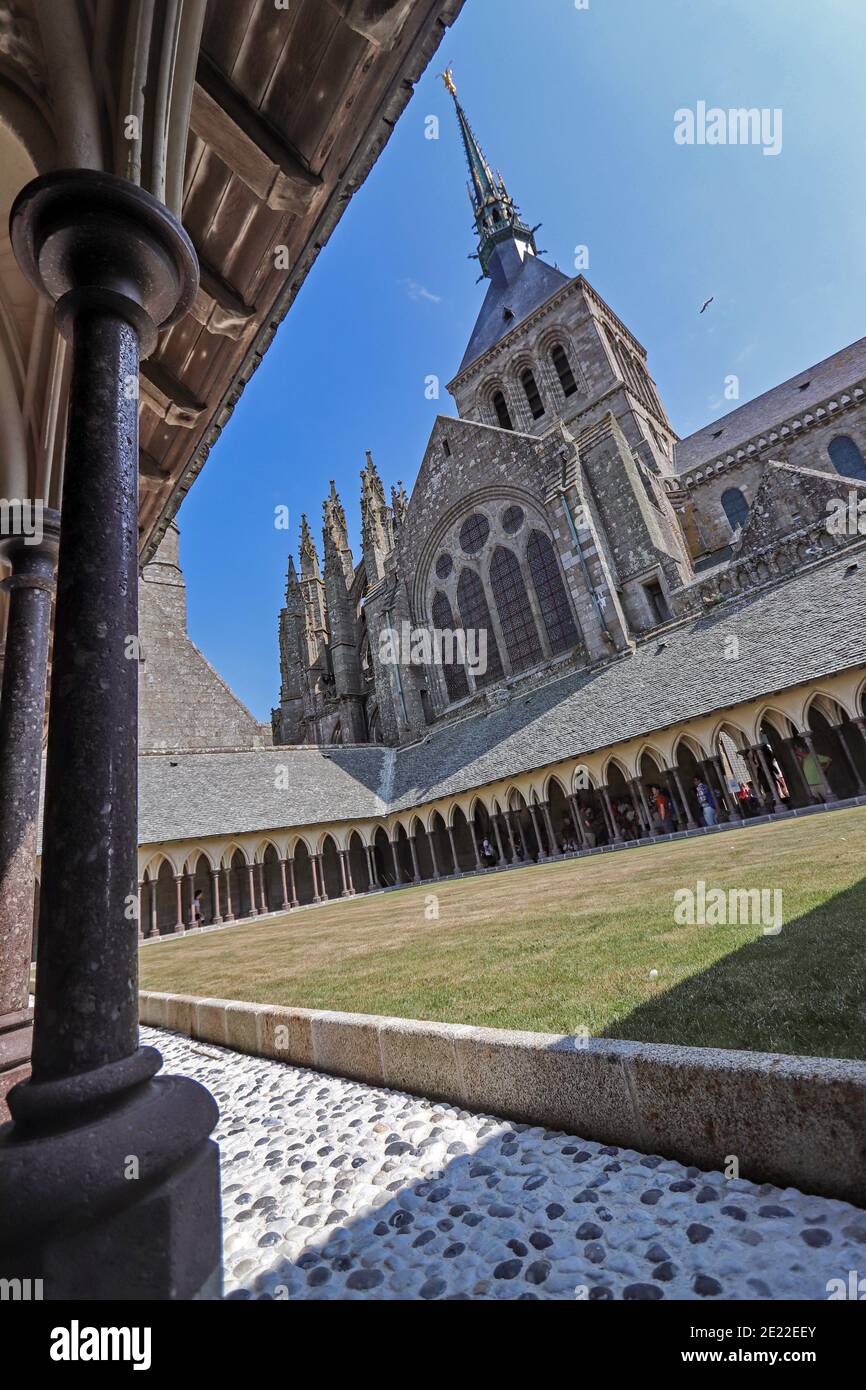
<point>765,412</point>
<point>808,627</point>
<point>190,795</point>
<point>522,294</point>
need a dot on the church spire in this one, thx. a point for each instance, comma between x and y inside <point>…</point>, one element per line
<point>497,216</point>
<point>309,558</point>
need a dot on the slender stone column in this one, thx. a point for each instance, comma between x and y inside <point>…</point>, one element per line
<point>189,880</point>
<point>22,713</point>
<point>294,900</point>
<point>638,812</point>
<point>770,799</point>
<point>286,904</point>
<point>253,911</point>
<point>516,819</point>
<point>839,731</point>
<point>264,901</point>
<point>431,836</point>
<point>178,886</point>
<point>538,840</point>
<point>371,867</point>
<point>644,801</point>
<point>215,894</point>
<point>398,870</point>
<point>494,821</point>
<point>733,805</point>
<point>456,861</point>
<point>829,794</point>
<point>349,878</point>
<point>612,823</point>
<point>473,832</point>
<point>320,891</point>
<point>230,915</point>
<point>548,821</point>
<point>576,821</point>
<point>684,800</point>
<point>118,267</point>
<point>413,850</point>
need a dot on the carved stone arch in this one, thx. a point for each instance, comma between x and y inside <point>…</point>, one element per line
<point>485,400</point>
<point>554,337</point>
<point>154,864</point>
<point>828,705</point>
<point>522,365</point>
<point>199,852</point>
<point>614,762</point>
<point>258,853</point>
<point>231,849</point>
<point>648,750</point>
<point>777,719</point>
<point>548,781</point>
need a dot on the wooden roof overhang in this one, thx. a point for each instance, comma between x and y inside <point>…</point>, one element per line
<point>291,108</point>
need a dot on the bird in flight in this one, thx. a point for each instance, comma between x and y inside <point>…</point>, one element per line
<point>708,303</point>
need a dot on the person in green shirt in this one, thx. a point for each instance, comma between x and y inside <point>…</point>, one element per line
<point>811,765</point>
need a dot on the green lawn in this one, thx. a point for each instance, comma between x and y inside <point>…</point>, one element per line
<point>556,947</point>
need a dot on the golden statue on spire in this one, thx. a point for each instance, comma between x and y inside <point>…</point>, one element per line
<point>448,78</point>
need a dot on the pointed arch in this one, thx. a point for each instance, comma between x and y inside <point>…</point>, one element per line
<point>456,681</point>
<point>475,616</point>
<point>516,619</point>
<point>552,595</point>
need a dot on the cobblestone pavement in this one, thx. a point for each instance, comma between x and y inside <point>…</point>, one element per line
<point>332,1190</point>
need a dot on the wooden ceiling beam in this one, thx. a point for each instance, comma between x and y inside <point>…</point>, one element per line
<point>218,307</point>
<point>167,397</point>
<point>248,145</point>
<point>380,21</point>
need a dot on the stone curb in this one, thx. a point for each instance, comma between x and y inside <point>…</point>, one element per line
<point>791,1121</point>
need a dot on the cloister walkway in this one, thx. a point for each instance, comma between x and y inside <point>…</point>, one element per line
<point>613,848</point>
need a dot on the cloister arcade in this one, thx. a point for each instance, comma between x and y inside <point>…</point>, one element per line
<point>572,806</point>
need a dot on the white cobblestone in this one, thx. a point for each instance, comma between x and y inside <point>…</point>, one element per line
<point>332,1190</point>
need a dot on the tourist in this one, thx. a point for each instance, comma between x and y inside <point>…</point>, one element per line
<point>811,765</point>
<point>663,808</point>
<point>590,836</point>
<point>706,801</point>
<point>197,915</point>
<point>488,853</point>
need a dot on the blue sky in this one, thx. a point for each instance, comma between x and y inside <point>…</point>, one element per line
<point>576,107</point>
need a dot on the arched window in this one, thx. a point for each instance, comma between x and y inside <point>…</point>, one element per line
<point>735,507</point>
<point>475,614</point>
<point>515,615</point>
<point>550,591</point>
<point>562,367</point>
<point>500,405</point>
<point>533,395</point>
<point>847,458</point>
<point>455,676</point>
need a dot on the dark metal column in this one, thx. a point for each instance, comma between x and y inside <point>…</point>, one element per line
<point>118,267</point>
<point>22,711</point>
